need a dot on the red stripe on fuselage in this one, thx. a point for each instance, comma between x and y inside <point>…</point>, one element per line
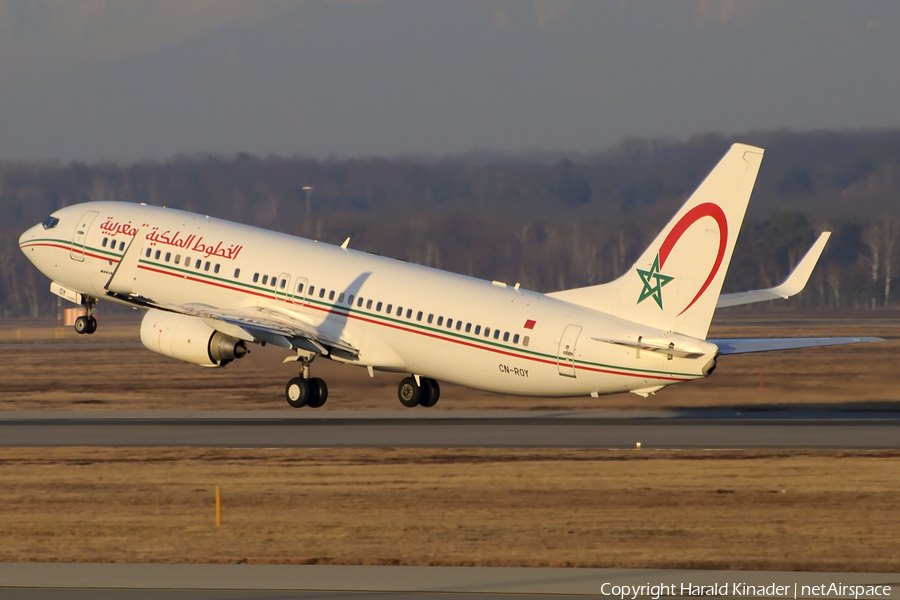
<point>407,329</point>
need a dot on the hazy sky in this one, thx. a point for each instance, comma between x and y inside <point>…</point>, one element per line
<point>129,79</point>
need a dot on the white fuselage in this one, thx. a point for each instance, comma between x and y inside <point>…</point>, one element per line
<point>410,318</point>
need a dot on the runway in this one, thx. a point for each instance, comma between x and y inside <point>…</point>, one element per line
<point>421,429</point>
<point>28,581</point>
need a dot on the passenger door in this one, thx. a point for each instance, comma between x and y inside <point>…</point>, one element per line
<point>78,237</point>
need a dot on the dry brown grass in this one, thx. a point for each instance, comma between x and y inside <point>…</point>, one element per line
<point>49,368</point>
<point>832,511</point>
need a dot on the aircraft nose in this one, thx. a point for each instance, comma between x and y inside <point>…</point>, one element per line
<point>27,236</point>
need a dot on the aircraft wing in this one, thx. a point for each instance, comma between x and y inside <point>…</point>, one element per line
<point>745,346</point>
<point>272,325</point>
<point>794,283</point>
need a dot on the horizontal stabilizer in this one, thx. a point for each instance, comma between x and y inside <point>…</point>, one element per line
<point>663,350</point>
<point>791,286</point>
<point>746,346</point>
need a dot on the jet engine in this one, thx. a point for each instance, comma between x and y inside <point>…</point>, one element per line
<point>189,339</point>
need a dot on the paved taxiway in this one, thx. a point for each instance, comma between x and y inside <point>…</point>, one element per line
<point>202,582</point>
<point>435,429</point>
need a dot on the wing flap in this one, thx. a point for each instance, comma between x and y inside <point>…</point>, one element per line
<point>746,346</point>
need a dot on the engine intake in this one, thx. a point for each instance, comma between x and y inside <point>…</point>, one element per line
<point>189,339</point>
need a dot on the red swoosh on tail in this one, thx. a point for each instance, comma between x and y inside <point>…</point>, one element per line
<point>707,209</point>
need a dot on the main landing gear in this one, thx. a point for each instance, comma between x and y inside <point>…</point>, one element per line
<point>305,391</point>
<point>88,322</point>
<point>420,391</point>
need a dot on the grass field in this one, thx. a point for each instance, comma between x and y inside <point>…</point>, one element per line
<point>819,511</point>
<point>50,368</point>
<point>825,511</point>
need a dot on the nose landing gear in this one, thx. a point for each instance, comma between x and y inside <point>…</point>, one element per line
<point>424,392</point>
<point>87,323</point>
<point>305,391</point>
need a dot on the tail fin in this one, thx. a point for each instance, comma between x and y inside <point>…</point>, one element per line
<point>675,284</point>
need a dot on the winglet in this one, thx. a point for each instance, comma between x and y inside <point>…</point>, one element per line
<point>791,286</point>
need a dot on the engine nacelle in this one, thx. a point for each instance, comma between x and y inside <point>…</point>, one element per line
<point>189,339</point>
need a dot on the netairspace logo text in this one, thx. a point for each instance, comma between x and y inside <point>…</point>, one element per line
<point>745,590</point>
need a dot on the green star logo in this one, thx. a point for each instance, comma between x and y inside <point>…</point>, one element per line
<point>653,282</point>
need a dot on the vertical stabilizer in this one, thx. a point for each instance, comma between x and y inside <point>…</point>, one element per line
<point>676,282</point>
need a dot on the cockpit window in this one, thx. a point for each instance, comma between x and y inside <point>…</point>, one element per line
<point>50,223</point>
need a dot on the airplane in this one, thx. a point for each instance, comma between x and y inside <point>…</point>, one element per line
<point>211,288</point>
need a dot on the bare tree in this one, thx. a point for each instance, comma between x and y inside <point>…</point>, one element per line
<point>881,239</point>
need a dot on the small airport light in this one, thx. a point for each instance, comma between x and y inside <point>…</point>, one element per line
<point>638,445</point>
<point>307,189</point>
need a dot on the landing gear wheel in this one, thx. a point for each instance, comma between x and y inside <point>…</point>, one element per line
<point>83,325</point>
<point>409,392</point>
<point>318,393</point>
<point>431,392</point>
<point>92,324</point>
<point>297,392</point>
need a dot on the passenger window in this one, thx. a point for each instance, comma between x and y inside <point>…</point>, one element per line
<point>156,256</point>
<point>409,313</point>
<point>310,291</point>
<point>458,325</point>
<point>468,327</point>
<point>419,316</point>
<point>378,307</point>
<point>206,266</point>
<point>505,336</point>
<point>478,330</point>
<point>399,311</point>
<point>430,318</point>
<point>389,308</point>
<point>359,302</point>
<point>282,285</point>
<point>197,264</point>
<point>121,246</point>
<point>148,252</point>
<point>237,272</point>
<point>487,332</point>
<point>449,323</point>
<point>341,297</point>
<point>496,334</point>
<point>177,259</point>
<point>368,304</point>
<point>168,256</point>
<point>350,300</point>
<point>265,279</point>
<point>103,243</point>
<point>272,280</point>
<point>516,339</point>
<point>440,320</point>
<point>216,268</point>
<point>187,261</point>
<point>331,295</point>
<point>321,292</point>
<point>255,277</point>
<point>299,288</point>
<point>525,340</point>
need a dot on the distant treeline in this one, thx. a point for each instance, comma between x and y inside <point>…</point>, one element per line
<point>546,222</point>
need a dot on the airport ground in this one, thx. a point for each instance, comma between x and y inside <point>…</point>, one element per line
<point>824,510</point>
<point>748,510</point>
<point>52,368</point>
